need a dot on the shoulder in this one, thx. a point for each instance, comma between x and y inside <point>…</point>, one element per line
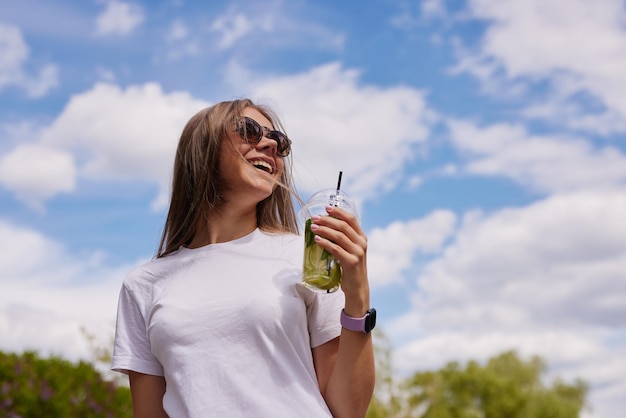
<point>149,274</point>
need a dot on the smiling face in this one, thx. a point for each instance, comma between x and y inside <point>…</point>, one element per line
<point>219,176</point>
<point>250,171</point>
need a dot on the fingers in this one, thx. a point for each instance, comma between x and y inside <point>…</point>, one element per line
<point>341,235</point>
<point>348,217</point>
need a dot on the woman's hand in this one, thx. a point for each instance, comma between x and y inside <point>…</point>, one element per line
<point>341,235</point>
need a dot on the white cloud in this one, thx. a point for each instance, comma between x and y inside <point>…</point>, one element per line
<point>40,85</point>
<point>281,28</point>
<point>391,249</point>
<point>49,294</point>
<point>119,18</point>
<point>576,45</point>
<point>123,134</point>
<point>547,279</point>
<point>572,244</point>
<point>411,14</point>
<point>574,116</point>
<point>367,132</point>
<point>106,75</point>
<point>543,163</point>
<point>182,41</point>
<point>178,31</point>
<point>232,28</point>
<point>35,173</point>
<point>14,54</point>
<point>414,182</point>
<point>433,9</point>
<point>105,133</point>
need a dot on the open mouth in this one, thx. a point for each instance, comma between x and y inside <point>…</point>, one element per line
<point>264,166</point>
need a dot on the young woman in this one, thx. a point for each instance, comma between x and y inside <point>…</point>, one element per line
<point>218,325</point>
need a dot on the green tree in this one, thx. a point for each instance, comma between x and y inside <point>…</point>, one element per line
<point>31,386</point>
<point>505,387</point>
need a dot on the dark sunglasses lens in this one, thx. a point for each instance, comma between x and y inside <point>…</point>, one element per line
<point>249,130</point>
<point>282,141</point>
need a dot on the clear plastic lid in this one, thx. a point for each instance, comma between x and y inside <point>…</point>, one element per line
<point>316,205</point>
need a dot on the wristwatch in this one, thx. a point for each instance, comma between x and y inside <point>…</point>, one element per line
<point>364,324</point>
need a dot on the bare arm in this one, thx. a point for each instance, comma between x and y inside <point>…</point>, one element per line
<point>345,365</point>
<point>147,393</point>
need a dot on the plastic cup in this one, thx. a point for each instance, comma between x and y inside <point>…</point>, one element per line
<point>322,271</point>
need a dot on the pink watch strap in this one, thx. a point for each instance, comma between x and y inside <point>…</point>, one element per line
<point>363,324</point>
<point>353,324</point>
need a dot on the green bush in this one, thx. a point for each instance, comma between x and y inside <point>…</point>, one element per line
<point>506,386</point>
<point>31,386</point>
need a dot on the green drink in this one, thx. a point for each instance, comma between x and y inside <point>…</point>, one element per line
<point>321,270</point>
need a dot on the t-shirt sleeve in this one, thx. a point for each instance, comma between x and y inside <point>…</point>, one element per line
<point>323,317</point>
<point>131,350</point>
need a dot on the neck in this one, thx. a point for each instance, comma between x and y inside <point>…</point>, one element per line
<point>224,227</point>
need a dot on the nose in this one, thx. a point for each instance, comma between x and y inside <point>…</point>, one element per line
<point>267,144</point>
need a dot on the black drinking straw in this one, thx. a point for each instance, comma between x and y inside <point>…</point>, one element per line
<point>339,181</point>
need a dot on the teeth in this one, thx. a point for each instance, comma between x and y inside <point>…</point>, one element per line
<point>263,166</point>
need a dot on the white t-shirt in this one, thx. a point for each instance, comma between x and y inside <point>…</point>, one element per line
<point>230,328</point>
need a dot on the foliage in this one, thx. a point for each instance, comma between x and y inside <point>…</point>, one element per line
<point>505,386</point>
<point>385,402</point>
<point>31,386</point>
<point>102,354</point>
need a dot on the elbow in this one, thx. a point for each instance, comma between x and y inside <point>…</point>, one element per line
<point>354,402</point>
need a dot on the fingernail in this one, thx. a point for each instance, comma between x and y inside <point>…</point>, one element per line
<point>315,227</point>
<point>316,218</point>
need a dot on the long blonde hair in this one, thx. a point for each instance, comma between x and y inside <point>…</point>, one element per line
<point>197,187</point>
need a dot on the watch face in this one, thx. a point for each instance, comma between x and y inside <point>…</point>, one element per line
<point>370,320</point>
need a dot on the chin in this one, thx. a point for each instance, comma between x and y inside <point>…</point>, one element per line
<point>261,184</point>
<point>264,188</point>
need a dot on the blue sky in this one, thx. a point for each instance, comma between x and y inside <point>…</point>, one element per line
<point>484,141</point>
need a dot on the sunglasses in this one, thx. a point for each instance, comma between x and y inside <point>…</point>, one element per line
<point>250,131</point>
